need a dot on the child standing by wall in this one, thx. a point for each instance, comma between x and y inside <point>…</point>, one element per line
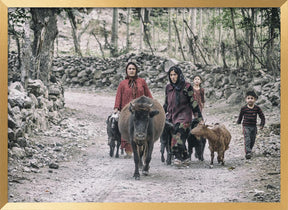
<point>198,91</point>
<point>249,113</point>
<point>199,96</point>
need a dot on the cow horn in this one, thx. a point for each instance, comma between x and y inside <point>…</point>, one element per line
<point>133,105</point>
<point>150,105</point>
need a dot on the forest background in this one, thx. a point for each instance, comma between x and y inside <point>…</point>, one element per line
<point>242,38</point>
<point>232,48</point>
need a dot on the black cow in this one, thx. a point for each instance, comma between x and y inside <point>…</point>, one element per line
<point>113,133</point>
<point>142,122</point>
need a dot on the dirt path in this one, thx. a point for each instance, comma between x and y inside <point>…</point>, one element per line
<point>91,175</point>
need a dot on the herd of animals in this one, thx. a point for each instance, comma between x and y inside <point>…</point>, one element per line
<point>143,122</point>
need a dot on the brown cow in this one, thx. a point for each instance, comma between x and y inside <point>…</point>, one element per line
<point>218,137</point>
<point>142,122</point>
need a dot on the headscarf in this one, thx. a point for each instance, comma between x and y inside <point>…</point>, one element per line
<point>132,80</point>
<point>180,83</point>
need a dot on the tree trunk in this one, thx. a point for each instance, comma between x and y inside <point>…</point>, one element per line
<point>114,36</point>
<point>270,47</point>
<point>169,29</point>
<point>72,20</point>
<point>200,25</point>
<point>180,44</point>
<point>128,30</point>
<point>193,20</point>
<point>146,35</point>
<point>183,28</point>
<point>100,46</point>
<point>195,41</point>
<point>146,23</point>
<point>252,29</point>
<point>235,37</point>
<point>219,39</point>
<point>141,29</point>
<point>223,49</point>
<point>44,25</point>
<point>244,49</point>
<point>27,67</point>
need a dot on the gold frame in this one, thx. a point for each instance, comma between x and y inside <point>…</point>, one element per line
<point>5,4</point>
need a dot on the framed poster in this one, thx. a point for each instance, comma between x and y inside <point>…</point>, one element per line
<point>4,5</point>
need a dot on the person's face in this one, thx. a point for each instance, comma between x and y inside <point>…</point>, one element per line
<point>197,80</point>
<point>250,100</point>
<point>173,77</point>
<point>131,70</point>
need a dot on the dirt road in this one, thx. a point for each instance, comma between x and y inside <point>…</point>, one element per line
<point>89,174</point>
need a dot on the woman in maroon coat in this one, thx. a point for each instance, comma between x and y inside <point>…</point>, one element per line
<point>130,88</point>
<point>179,106</point>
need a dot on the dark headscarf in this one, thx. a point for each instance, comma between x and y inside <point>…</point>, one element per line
<point>132,80</point>
<point>179,85</point>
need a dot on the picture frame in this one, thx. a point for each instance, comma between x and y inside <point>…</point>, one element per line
<point>5,4</point>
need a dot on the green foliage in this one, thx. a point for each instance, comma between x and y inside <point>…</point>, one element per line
<point>271,16</point>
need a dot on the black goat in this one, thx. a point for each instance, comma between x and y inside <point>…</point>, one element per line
<point>199,144</point>
<point>165,140</point>
<point>113,134</point>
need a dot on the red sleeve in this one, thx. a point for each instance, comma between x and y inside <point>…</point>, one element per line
<point>118,98</point>
<point>146,90</point>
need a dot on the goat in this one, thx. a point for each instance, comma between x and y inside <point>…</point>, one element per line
<point>218,137</point>
<point>199,145</point>
<point>113,134</point>
<point>165,140</point>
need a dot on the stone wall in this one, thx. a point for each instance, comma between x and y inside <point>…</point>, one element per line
<point>226,84</point>
<point>31,110</point>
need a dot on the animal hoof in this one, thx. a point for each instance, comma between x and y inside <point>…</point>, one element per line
<point>145,173</point>
<point>137,176</point>
<point>162,159</point>
<point>116,156</point>
<point>211,166</point>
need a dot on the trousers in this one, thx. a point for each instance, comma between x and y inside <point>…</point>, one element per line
<point>249,133</point>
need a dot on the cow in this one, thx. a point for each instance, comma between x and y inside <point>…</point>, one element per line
<point>142,122</point>
<point>218,138</point>
<point>165,140</point>
<point>113,133</point>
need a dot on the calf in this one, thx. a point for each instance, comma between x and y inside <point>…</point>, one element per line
<point>165,140</point>
<point>142,122</point>
<point>218,137</point>
<point>113,134</point>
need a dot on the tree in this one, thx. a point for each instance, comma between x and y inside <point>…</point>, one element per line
<point>114,35</point>
<point>17,17</point>
<point>235,36</point>
<point>128,30</point>
<point>44,26</point>
<point>272,20</point>
<point>72,19</point>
